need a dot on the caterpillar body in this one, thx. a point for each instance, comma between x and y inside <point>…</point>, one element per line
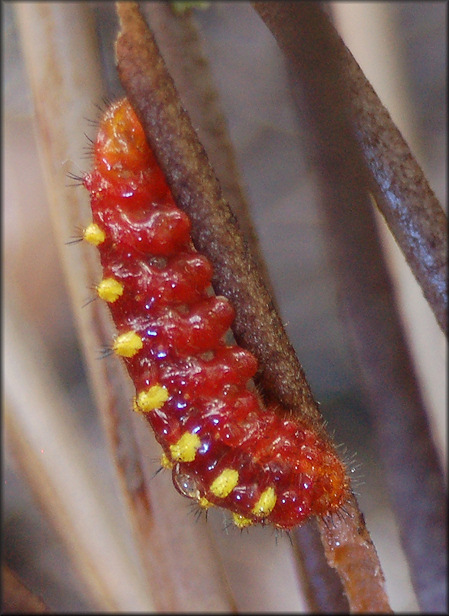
<point>224,447</point>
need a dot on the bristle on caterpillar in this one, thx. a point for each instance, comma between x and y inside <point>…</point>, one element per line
<point>224,447</point>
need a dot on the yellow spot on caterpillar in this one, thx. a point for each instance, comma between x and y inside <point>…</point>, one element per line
<point>127,344</point>
<point>265,504</point>
<point>240,521</point>
<point>185,449</point>
<point>110,289</point>
<point>165,462</point>
<point>94,234</point>
<point>224,483</point>
<point>152,398</point>
<point>204,503</point>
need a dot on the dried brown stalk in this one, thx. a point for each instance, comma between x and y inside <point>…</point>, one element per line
<point>180,44</point>
<point>416,483</point>
<point>396,180</point>
<point>196,189</point>
<point>322,583</point>
<point>402,193</point>
<point>215,231</point>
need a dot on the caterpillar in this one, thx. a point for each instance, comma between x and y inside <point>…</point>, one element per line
<point>224,446</point>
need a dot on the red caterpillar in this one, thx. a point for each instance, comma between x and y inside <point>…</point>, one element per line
<point>224,447</point>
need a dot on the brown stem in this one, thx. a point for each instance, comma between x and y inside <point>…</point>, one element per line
<point>179,41</point>
<point>215,232</point>
<point>322,583</point>
<point>312,46</point>
<point>397,182</point>
<point>258,327</point>
<point>401,191</point>
<point>350,550</point>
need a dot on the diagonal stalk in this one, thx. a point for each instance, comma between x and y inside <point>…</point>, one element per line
<point>319,69</point>
<point>196,189</point>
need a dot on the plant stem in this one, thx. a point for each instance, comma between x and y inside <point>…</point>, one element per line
<point>322,89</point>
<point>258,327</point>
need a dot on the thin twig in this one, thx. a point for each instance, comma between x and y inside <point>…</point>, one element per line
<point>215,232</point>
<point>400,188</point>
<point>180,43</point>
<point>196,189</point>
<point>318,70</point>
<point>322,583</point>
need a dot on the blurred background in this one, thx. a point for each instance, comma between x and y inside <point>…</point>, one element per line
<point>401,47</point>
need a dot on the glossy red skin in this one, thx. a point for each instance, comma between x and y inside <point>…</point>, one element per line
<point>168,302</point>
